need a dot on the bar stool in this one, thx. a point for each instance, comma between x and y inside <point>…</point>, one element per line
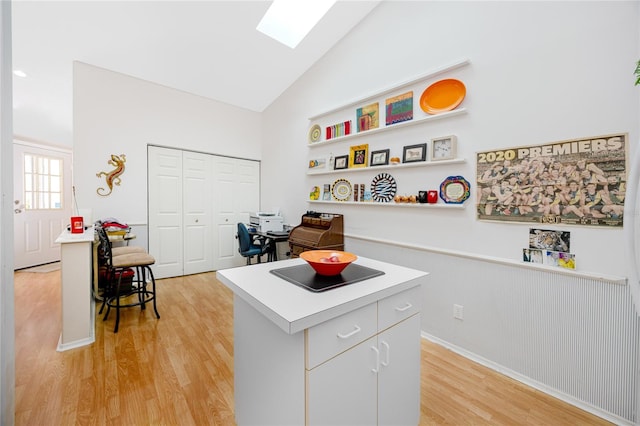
<point>134,285</point>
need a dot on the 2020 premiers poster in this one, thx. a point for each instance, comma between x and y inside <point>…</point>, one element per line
<point>575,182</point>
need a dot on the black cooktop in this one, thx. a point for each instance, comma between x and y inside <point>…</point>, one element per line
<point>304,276</point>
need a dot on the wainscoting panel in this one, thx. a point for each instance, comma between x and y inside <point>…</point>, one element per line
<point>570,334</point>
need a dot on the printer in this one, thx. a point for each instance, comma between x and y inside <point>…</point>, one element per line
<point>265,222</point>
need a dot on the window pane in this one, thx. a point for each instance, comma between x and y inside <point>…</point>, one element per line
<point>43,182</point>
<point>28,182</point>
<point>56,203</point>
<point>28,163</point>
<point>28,200</point>
<point>55,184</point>
<point>55,167</point>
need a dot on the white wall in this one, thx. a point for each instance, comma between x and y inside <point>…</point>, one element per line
<point>540,72</point>
<point>119,114</point>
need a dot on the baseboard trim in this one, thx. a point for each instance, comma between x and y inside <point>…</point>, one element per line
<point>529,382</point>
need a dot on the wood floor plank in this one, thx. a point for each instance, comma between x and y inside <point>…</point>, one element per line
<point>178,370</point>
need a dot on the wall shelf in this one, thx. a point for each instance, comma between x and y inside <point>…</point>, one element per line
<point>390,166</point>
<point>441,70</point>
<point>442,115</point>
<point>400,205</point>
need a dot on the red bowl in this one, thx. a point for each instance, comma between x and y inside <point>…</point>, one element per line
<point>328,262</point>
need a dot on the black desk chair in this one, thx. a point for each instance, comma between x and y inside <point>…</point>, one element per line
<point>247,246</point>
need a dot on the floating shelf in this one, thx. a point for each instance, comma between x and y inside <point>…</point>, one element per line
<point>388,167</point>
<point>442,115</point>
<point>441,70</point>
<point>401,205</point>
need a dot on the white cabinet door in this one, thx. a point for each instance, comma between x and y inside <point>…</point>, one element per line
<point>236,195</point>
<point>196,181</point>
<point>165,211</point>
<point>343,390</point>
<point>399,376</point>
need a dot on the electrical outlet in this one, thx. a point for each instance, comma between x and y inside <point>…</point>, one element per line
<point>458,312</point>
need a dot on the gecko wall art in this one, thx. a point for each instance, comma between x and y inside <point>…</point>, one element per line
<point>112,177</point>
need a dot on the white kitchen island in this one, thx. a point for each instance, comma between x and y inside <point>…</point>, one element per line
<point>345,356</point>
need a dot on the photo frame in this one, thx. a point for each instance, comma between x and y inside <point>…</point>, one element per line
<point>341,162</point>
<point>319,163</point>
<point>359,156</point>
<point>444,148</point>
<point>379,158</point>
<point>413,153</point>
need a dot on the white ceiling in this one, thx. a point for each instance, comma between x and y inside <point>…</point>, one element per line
<point>209,48</point>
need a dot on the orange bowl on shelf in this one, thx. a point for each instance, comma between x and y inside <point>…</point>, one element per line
<point>328,262</point>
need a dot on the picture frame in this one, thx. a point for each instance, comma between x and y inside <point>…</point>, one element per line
<point>318,163</point>
<point>444,148</point>
<point>359,156</point>
<point>341,162</point>
<point>414,153</point>
<point>379,158</point>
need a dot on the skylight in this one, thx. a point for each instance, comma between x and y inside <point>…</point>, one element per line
<point>289,21</point>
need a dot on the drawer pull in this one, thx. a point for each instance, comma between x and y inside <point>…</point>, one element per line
<point>377,369</point>
<point>405,307</point>
<point>388,350</point>
<point>346,336</point>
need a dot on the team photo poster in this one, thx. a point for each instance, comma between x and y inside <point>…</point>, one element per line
<point>575,182</point>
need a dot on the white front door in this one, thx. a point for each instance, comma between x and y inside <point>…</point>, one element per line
<point>42,202</point>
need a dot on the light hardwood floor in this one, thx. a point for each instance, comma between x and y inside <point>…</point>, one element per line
<point>178,370</point>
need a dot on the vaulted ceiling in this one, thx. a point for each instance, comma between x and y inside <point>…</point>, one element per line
<point>208,48</point>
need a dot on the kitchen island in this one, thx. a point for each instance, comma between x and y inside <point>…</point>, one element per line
<point>349,355</point>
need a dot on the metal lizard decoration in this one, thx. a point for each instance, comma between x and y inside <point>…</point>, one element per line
<point>112,177</point>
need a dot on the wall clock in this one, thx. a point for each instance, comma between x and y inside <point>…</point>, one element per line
<point>443,148</point>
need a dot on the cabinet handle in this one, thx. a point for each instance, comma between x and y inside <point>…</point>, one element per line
<point>405,307</point>
<point>388,349</point>
<point>346,336</point>
<point>377,369</point>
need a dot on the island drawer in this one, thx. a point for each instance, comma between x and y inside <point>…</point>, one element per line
<point>330,338</point>
<point>398,307</point>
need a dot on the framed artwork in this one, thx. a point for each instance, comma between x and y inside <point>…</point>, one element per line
<point>358,156</point>
<point>399,108</point>
<point>367,117</point>
<point>414,153</point>
<point>341,162</point>
<point>319,163</point>
<point>443,148</point>
<point>380,158</point>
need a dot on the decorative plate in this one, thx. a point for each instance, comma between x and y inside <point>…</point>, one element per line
<point>383,188</point>
<point>341,190</point>
<point>314,133</point>
<point>455,190</point>
<point>443,95</point>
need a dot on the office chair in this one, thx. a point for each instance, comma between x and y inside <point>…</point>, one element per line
<point>247,246</point>
<point>120,282</point>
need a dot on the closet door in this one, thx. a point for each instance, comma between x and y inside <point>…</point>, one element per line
<point>197,196</point>
<point>165,211</point>
<point>236,196</point>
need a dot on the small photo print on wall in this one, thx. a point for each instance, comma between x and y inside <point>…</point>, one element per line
<point>549,240</point>
<point>532,255</point>
<point>559,259</point>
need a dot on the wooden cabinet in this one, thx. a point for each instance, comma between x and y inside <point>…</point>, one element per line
<point>363,368</point>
